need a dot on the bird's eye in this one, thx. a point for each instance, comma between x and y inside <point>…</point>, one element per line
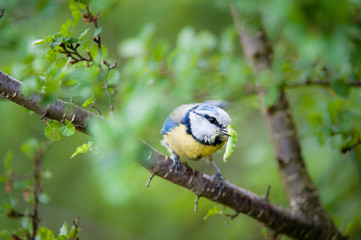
<point>212,120</point>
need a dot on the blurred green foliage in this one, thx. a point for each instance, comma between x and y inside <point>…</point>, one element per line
<point>170,53</point>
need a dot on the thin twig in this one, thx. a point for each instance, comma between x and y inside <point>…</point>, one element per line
<point>2,13</point>
<point>37,191</point>
<point>76,225</point>
<point>91,18</point>
<point>96,108</point>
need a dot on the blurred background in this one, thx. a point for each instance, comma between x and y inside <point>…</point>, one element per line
<point>170,53</point>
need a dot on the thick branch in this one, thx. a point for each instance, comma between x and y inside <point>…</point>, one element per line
<point>59,110</point>
<point>301,191</point>
<point>293,223</point>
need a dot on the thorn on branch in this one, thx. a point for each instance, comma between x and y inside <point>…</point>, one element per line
<point>267,193</point>
<point>233,216</point>
<point>150,179</point>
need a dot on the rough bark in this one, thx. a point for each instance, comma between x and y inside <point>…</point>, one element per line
<point>302,193</point>
<point>10,88</point>
<point>290,222</point>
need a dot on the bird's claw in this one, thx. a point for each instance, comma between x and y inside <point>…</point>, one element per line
<point>176,164</point>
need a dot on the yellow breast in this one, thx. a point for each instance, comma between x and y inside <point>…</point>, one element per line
<point>183,144</point>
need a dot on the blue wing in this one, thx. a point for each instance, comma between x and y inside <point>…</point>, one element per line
<point>168,125</point>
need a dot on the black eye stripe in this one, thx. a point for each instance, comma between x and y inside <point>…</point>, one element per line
<point>211,119</point>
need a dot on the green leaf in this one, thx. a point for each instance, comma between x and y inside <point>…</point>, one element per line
<point>30,147</point>
<point>21,185</point>
<point>45,234</point>
<point>336,141</point>
<point>83,34</point>
<point>60,62</point>
<point>271,96</point>
<point>8,159</point>
<point>54,130</point>
<point>104,52</point>
<point>340,88</point>
<point>68,129</point>
<point>51,55</point>
<point>75,12</point>
<point>94,50</point>
<point>47,39</point>
<point>88,101</point>
<point>85,46</point>
<point>97,31</point>
<point>213,211</point>
<point>64,230</point>
<point>82,149</point>
<point>64,30</point>
<point>62,237</point>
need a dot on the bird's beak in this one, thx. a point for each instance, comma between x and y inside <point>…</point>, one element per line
<point>225,131</point>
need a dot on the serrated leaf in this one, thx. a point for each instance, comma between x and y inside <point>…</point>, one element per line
<point>53,130</point>
<point>82,149</point>
<point>83,34</point>
<point>64,30</point>
<point>88,101</point>
<point>45,234</point>
<point>47,39</point>
<point>213,211</point>
<point>340,88</point>
<point>68,129</point>
<point>75,12</point>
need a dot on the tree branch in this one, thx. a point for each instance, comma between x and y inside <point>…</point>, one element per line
<point>302,193</point>
<point>59,110</point>
<point>293,223</point>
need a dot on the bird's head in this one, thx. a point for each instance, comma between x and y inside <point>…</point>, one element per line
<point>208,124</point>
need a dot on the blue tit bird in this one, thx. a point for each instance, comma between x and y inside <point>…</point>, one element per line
<point>196,131</point>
